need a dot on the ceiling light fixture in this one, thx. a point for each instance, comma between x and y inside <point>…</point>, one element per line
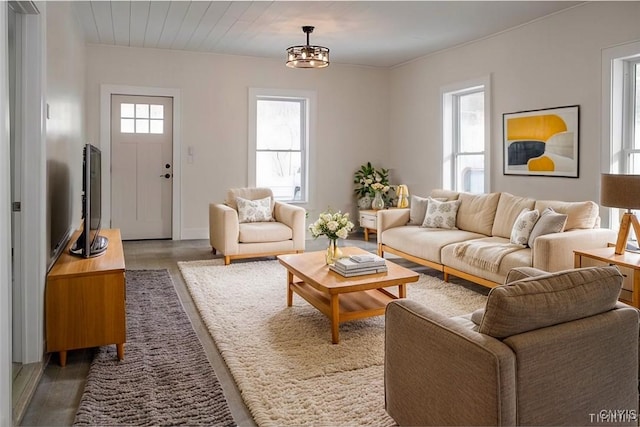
<point>307,56</point>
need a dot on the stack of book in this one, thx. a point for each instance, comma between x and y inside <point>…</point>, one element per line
<point>358,265</point>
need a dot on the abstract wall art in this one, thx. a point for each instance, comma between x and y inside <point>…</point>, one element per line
<point>542,142</point>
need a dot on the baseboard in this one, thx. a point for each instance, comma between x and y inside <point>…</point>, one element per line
<point>24,386</point>
<point>194,233</point>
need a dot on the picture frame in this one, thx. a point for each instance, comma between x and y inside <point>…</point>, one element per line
<point>542,142</point>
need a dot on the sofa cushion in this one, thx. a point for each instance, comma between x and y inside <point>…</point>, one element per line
<point>477,212</point>
<point>579,214</point>
<point>425,243</point>
<point>263,232</point>
<point>258,210</point>
<point>521,257</point>
<point>444,194</point>
<point>550,222</point>
<point>441,214</point>
<point>550,299</point>
<point>509,207</point>
<point>523,226</point>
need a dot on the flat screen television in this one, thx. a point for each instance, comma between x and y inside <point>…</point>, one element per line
<point>90,243</point>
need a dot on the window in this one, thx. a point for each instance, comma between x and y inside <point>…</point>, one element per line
<point>465,128</point>
<point>279,142</point>
<point>621,116</point>
<point>631,117</point>
<point>141,118</point>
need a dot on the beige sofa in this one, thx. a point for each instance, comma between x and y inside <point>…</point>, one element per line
<point>284,234</point>
<point>490,218</point>
<point>547,349</point>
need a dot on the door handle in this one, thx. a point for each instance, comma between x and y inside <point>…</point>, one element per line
<point>166,175</point>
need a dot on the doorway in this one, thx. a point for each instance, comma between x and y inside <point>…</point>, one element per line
<point>142,166</point>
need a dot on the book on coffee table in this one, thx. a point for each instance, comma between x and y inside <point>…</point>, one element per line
<point>348,264</point>
<point>359,272</point>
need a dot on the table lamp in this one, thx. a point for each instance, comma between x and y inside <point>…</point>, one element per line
<point>402,191</point>
<point>622,191</point>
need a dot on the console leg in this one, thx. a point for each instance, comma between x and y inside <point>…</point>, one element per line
<point>120,351</point>
<point>63,358</point>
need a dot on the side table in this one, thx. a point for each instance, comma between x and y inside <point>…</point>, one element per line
<point>628,263</point>
<point>369,222</point>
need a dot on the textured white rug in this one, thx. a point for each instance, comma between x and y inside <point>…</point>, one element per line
<point>282,358</point>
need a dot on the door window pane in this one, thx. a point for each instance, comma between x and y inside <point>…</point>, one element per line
<point>126,110</point>
<point>155,126</point>
<point>157,111</point>
<point>142,111</point>
<point>142,126</point>
<point>126,126</point>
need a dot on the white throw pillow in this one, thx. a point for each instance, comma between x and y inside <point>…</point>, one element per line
<point>523,226</point>
<point>254,210</point>
<point>441,214</point>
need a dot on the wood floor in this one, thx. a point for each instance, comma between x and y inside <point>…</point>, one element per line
<point>59,390</point>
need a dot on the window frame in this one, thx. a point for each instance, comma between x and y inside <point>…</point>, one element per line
<point>308,104</point>
<point>617,120</point>
<point>450,100</point>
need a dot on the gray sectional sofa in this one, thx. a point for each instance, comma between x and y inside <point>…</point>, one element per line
<point>489,219</point>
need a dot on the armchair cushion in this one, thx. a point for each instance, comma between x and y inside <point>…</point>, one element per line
<point>263,232</point>
<point>550,299</point>
<point>259,210</point>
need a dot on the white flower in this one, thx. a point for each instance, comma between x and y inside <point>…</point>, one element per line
<point>326,217</point>
<point>332,225</point>
<point>342,233</point>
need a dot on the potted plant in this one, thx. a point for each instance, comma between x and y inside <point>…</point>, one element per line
<point>364,178</point>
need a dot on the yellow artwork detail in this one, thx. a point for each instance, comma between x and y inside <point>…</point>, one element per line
<point>535,128</point>
<point>541,164</point>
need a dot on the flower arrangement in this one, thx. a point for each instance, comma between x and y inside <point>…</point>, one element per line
<point>366,176</point>
<point>377,186</point>
<point>334,225</point>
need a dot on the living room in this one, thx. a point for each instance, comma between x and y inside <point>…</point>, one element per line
<point>389,115</point>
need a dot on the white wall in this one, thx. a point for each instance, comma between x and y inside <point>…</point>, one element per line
<point>65,128</point>
<point>552,62</point>
<point>353,117</point>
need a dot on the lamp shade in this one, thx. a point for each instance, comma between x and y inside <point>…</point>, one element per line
<point>620,191</point>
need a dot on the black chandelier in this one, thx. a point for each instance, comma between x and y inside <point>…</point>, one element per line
<point>307,56</point>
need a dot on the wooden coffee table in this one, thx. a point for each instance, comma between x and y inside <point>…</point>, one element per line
<point>342,298</point>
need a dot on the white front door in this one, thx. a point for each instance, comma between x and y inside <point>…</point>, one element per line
<point>141,166</point>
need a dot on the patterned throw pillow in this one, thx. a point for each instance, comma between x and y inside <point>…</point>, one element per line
<point>523,226</point>
<point>254,210</point>
<point>441,214</point>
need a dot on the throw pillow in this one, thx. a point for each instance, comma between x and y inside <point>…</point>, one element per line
<point>254,210</point>
<point>550,222</point>
<point>441,214</point>
<point>523,226</point>
<point>417,210</point>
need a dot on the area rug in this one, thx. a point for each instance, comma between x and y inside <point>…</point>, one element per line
<point>282,359</point>
<point>165,377</point>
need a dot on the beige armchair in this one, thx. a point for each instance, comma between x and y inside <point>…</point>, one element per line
<point>235,239</point>
<point>550,349</point>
